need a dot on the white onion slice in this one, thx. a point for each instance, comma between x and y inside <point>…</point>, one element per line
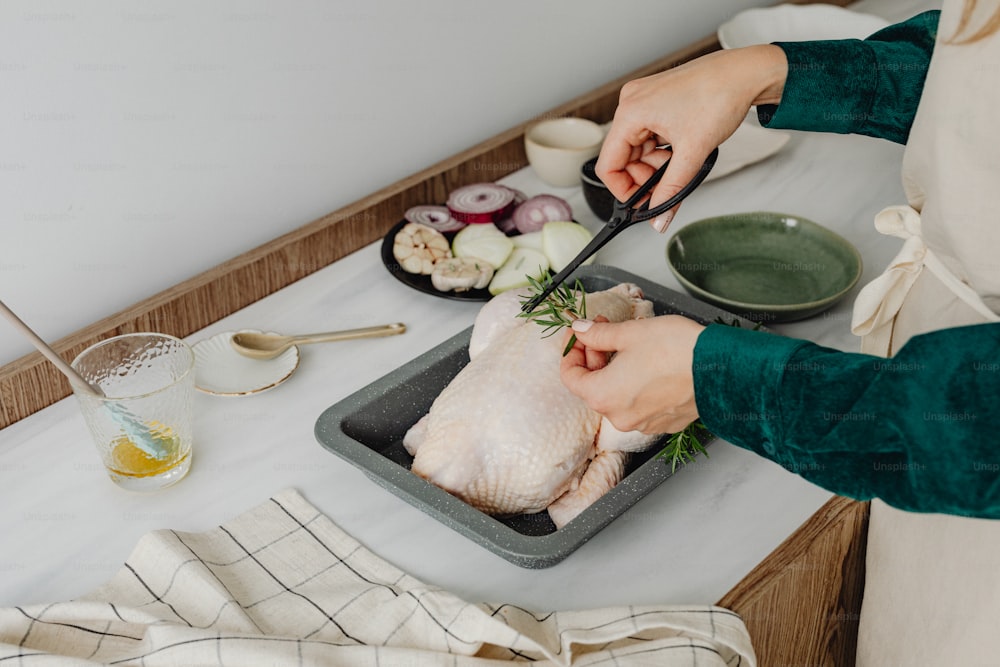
<point>480,202</point>
<point>435,217</point>
<point>531,214</point>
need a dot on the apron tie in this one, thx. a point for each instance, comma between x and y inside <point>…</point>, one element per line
<point>879,301</point>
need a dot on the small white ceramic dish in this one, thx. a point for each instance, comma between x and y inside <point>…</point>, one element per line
<point>558,147</point>
<point>221,370</point>
<point>796,23</point>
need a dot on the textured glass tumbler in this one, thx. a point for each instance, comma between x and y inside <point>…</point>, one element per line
<point>143,424</point>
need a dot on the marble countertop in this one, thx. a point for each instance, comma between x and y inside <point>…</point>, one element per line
<point>66,528</point>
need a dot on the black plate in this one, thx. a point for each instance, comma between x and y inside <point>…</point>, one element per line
<point>421,282</point>
<point>367,429</point>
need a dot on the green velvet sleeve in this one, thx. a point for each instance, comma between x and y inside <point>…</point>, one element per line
<point>854,86</point>
<point>918,430</point>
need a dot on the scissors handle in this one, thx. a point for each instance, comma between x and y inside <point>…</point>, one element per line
<point>626,211</point>
<point>624,215</point>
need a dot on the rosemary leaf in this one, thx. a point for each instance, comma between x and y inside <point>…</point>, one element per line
<point>559,309</point>
<point>569,344</point>
<point>684,445</point>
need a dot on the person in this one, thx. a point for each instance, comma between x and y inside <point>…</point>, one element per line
<point>910,420</point>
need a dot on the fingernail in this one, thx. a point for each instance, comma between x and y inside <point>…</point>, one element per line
<point>582,325</point>
<point>660,224</point>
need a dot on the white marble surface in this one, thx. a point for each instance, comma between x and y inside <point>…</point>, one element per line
<point>66,528</point>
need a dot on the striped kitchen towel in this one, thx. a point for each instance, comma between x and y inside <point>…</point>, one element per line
<point>283,585</point>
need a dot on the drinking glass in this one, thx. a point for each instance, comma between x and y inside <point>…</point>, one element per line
<point>143,424</point>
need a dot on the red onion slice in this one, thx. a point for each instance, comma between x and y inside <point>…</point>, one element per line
<point>506,225</point>
<point>435,217</point>
<point>531,214</point>
<point>479,202</point>
<point>518,195</point>
<point>506,221</point>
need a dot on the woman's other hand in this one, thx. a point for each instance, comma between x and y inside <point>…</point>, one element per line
<point>647,385</point>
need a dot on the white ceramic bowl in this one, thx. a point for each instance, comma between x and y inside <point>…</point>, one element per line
<point>796,23</point>
<point>558,147</point>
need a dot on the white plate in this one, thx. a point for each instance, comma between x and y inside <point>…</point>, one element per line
<point>796,23</point>
<point>221,370</point>
<point>750,143</point>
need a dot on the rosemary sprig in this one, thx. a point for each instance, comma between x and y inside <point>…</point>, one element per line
<point>684,445</point>
<point>559,308</point>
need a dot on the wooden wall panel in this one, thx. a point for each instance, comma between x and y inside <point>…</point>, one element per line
<point>31,383</point>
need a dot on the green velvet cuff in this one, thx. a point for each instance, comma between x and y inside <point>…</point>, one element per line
<point>829,87</point>
<point>737,382</point>
<point>852,86</point>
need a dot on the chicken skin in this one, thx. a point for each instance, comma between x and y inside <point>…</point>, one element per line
<point>506,436</point>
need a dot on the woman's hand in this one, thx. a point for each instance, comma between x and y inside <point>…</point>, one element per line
<point>693,107</point>
<point>648,384</point>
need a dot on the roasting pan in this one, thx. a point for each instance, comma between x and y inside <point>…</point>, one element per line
<point>367,428</point>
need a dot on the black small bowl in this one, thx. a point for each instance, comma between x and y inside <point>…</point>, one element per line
<point>598,197</point>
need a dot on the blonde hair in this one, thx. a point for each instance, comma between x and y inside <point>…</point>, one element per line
<point>988,28</point>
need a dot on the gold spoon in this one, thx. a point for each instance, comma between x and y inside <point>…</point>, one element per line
<point>268,346</point>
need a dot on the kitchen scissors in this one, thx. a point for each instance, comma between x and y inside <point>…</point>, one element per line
<point>625,214</point>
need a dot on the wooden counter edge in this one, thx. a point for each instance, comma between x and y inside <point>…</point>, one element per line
<point>802,603</point>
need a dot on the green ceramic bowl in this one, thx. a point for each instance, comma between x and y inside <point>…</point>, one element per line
<point>769,267</point>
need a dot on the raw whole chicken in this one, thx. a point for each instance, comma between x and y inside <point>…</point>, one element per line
<point>506,436</point>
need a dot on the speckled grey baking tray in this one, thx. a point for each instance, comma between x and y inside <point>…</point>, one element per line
<point>367,430</point>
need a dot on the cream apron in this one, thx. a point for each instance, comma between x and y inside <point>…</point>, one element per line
<point>932,589</point>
